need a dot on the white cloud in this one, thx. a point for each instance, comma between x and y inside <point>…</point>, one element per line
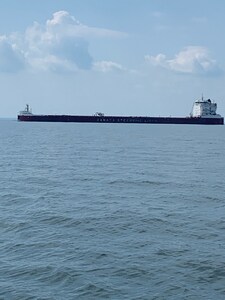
<point>191,60</point>
<point>63,22</point>
<point>61,44</point>
<point>11,58</point>
<point>107,66</point>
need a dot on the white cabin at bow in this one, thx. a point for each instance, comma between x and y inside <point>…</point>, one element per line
<point>26,112</point>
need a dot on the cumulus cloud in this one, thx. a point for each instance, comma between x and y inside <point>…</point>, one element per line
<point>191,60</point>
<point>107,66</point>
<point>61,44</point>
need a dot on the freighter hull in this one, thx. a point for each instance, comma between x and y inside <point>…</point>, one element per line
<point>122,119</point>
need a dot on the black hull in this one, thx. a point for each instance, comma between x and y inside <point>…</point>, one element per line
<point>121,119</point>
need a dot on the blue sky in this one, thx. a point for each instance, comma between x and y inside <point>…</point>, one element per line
<point>128,57</point>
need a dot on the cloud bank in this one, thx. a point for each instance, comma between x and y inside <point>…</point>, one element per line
<point>61,44</point>
<point>191,60</point>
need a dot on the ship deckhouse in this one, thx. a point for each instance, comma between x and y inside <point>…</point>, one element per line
<point>204,109</point>
<point>26,112</point>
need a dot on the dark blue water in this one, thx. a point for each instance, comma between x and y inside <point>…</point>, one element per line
<point>111,211</point>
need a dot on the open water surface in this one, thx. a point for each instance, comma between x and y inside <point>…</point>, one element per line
<point>112,211</point>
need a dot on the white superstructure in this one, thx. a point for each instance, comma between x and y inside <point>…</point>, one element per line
<point>26,112</point>
<point>204,109</point>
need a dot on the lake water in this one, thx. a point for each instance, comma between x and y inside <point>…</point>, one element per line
<point>111,211</point>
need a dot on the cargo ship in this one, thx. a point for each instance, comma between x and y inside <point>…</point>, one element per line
<point>203,113</point>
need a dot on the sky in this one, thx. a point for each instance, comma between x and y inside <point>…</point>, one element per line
<point>119,57</point>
